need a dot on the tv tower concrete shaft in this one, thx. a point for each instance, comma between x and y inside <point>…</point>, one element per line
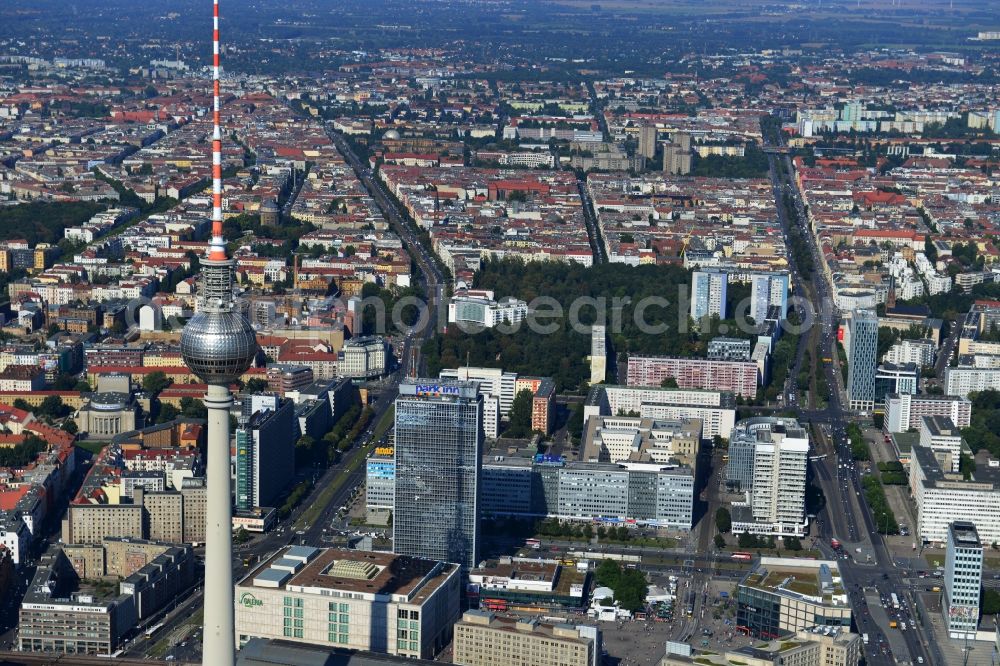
<point>219,614</point>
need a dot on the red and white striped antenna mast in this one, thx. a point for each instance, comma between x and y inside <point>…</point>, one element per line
<point>217,247</point>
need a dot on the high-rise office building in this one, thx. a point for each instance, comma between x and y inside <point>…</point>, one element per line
<point>647,141</point>
<point>768,458</point>
<point>439,438</point>
<point>265,454</point>
<point>767,289</point>
<point>963,578</point>
<point>708,294</point>
<point>862,327</point>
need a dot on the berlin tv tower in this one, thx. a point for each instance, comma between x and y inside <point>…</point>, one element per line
<point>218,345</point>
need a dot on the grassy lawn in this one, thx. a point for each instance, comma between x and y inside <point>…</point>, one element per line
<point>160,649</point>
<point>384,423</point>
<point>310,515</point>
<point>935,560</point>
<point>92,446</point>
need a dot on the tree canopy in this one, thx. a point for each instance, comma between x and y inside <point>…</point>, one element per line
<point>562,353</point>
<point>520,415</point>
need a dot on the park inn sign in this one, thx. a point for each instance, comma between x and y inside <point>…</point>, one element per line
<point>248,600</point>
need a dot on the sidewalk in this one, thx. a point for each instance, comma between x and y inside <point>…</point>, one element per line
<point>899,496</point>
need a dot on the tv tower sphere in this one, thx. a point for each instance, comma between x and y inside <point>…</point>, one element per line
<point>218,346</point>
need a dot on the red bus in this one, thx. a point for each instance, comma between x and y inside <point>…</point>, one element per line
<point>834,544</point>
<point>533,543</point>
<point>742,557</point>
<point>495,604</point>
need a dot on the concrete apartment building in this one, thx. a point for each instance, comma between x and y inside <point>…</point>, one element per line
<point>483,639</point>
<point>63,612</point>
<point>478,309</point>
<point>172,516</point>
<point>739,377</point>
<point>919,352</point>
<point>768,290</point>
<point>904,411</point>
<point>940,435</point>
<point>768,458</point>
<point>715,409</point>
<point>628,438</point>
<point>351,599</point>
<point>963,380</point>
<point>708,294</point>
<point>598,354</point>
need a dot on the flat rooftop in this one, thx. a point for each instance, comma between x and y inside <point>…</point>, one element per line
<point>351,571</point>
<point>562,632</point>
<point>964,534</point>
<point>986,476</point>
<point>817,579</point>
<point>561,578</point>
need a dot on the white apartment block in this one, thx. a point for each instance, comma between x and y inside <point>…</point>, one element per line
<point>598,354</point>
<point>775,461</point>
<point>767,289</point>
<point>963,380</point>
<point>920,352</point>
<point>492,382</point>
<point>482,310</point>
<point>715,409</point>
<point>905,412</point>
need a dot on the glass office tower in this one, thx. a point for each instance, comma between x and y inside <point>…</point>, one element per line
<point>439,437</point>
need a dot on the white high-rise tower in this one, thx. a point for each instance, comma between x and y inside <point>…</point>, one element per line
<point>218,345</point>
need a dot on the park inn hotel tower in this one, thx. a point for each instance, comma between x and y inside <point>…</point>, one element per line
<point>439,441</point>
